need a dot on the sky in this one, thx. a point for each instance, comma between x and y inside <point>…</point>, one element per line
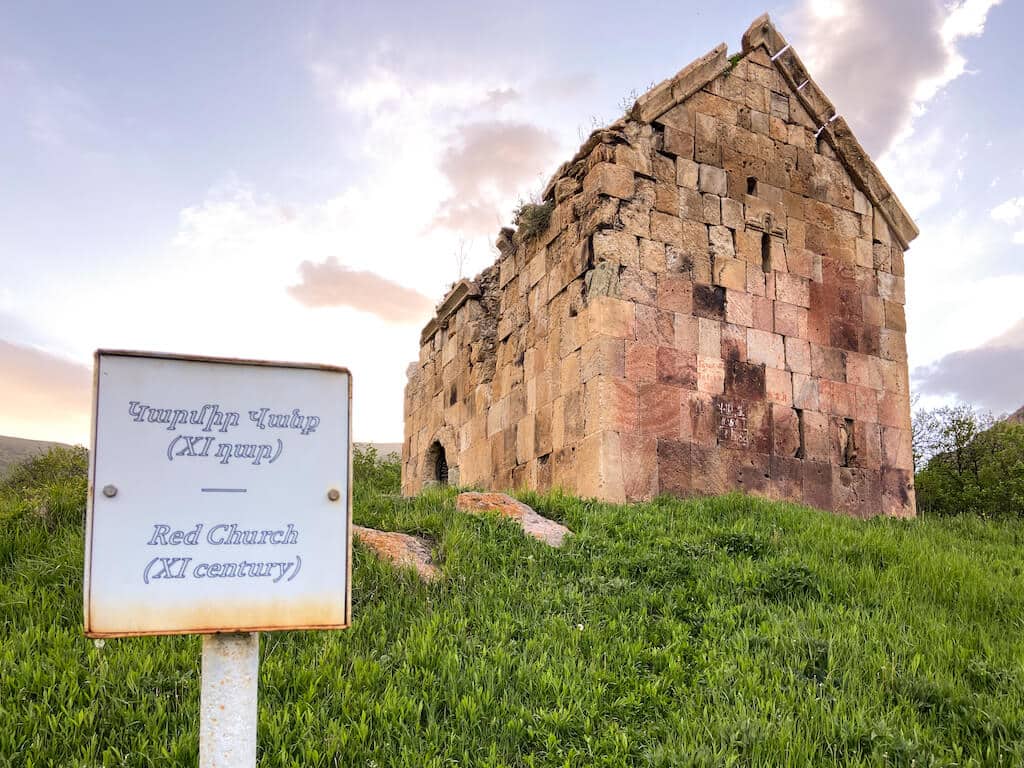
<point>304,181</point>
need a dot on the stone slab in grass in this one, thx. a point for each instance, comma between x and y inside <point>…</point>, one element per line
<point>401,549</point>
<point>535,525</point>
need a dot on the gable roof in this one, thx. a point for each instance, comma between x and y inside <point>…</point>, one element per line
<point>762,33</point>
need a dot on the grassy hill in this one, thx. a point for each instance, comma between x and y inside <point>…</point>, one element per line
<point>717,632</point>
<point>17,449</point>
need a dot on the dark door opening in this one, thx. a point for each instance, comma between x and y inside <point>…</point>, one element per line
<point>441,467</point>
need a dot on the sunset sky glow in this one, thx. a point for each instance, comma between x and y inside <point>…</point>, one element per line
<point>304,181</point>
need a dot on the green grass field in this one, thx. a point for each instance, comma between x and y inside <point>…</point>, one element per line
<point>720,632</point>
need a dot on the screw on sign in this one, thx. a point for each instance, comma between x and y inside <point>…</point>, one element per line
<point>212,516</point>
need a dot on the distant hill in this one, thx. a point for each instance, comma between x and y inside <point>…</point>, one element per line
<point>1017,417</point>
<point>15,449</point>
<point>383,449</point>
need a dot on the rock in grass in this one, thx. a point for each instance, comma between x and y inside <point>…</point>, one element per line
<point>400,549</point>
<point>535,525</point>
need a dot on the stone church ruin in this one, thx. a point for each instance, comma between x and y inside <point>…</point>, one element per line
<point>708,298</point>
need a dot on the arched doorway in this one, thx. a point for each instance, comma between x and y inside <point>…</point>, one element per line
<point>437,464</point>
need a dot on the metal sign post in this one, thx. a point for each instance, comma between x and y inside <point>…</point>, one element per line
<point>227,708</point>
<point>220,504</point>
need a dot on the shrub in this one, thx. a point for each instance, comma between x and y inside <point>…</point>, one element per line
<point>971,465</point>
<point>52,485</point>
<point>532,218</point>
<point>373,473</point>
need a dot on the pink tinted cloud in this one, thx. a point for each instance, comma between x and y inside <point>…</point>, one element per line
<point>331,284</point>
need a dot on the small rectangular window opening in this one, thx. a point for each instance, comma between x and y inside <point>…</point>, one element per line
<point>801,451</point>
<point>766,252</point>
<point>751,185</point>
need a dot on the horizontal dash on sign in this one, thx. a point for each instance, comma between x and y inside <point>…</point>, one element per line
<point>223,490</point>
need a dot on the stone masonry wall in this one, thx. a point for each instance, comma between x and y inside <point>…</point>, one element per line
<point>716,304</point>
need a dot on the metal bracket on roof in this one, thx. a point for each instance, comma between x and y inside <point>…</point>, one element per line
<point>831,119</point>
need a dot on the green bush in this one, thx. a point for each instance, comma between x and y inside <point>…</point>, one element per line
<point>532,218</point>
<point>52,485</point>
<point>970,464</point>
<point>373,473</point>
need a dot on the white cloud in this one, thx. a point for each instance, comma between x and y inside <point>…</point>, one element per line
<point>220,285</point>
<point>1009,211</point>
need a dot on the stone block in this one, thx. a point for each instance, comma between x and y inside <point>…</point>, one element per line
<point>744,380</point>
<point>897,448</point>
<point>709,301</point>
<point>897,492</point>
<point>738,308</point>
<point>639,466</point>
<point>691,204</point>
<point>687,173</point>
<point>667,228</point>
<point>666,197</point>
<point>612,317</point>
<point>686,332</point>
<point>676,367</point>
<point>713,180</point>
<point>709,337</point>
<point>817,484</point>
<point>792,289</point>
<point>763,314</point>
<point>893,410</point>
<point>675,293</point>
<point>734,342</point>
<point>641,362</point>
<point>732,214</point>
<point>785,426</point>
<point>806,392</point>
<point>573,418</point>
<point>610,403</point>
<point>711,209</point>
<point>720,240</point>
<point>569,372</point>
<point>778,385</point>
<point>729,272</point>
<point>765,348</point>
<point>655,326</point>
<point>661,412</point>
<point>599,468</point>
<point>694,241</point>
<point>787,478</point>
<point>542,431</point>
<point>893,345</point>
<point>755,279</point>
<point>652,256</point>
<point>711,375</point>
<point>895,319</point>
<point>872,310</point>
<point>616,247</point>
<point>602,355</point>
<point>677,143</point>
<point>790,320</point>
<point>828,362</point>
<point>609,179</point>
<point>525,439</point>
<point>674,467</point>
<point>891,288</point>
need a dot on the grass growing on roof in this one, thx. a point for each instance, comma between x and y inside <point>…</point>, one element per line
<point>726,631</point>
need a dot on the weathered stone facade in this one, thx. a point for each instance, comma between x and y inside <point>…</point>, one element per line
<point>716,303</point>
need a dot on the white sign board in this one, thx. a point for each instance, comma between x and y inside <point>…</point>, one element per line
<point>219,496</point>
